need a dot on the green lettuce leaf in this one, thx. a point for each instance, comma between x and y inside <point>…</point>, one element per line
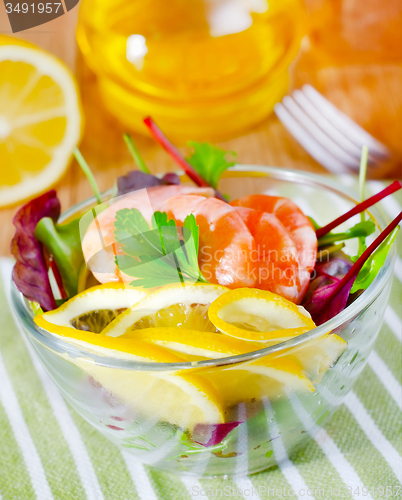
<point>374,263</point>
<point>64,243</point>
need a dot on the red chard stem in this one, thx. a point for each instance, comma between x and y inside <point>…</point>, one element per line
<point>355,269</point>
<point>395,186</point>
<point>174,152</point>
<point>51,264</point>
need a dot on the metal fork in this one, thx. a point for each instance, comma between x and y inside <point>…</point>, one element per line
<point>327,134</point>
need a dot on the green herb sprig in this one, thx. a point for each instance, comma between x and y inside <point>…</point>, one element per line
<point>158,255</point>
<point>210,161</point>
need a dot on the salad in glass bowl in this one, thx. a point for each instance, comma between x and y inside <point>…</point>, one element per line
<point>206,333</point>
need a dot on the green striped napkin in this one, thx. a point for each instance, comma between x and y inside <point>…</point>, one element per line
<point>47,451</point>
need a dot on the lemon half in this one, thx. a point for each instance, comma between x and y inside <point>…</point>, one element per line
<point>40,120</point>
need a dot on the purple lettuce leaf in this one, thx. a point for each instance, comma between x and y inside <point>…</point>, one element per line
<point>329,300</point>
<point>316,284</point>
<point>321,309</point>
<point>328,275</point>
<point>210,435</point>
<point>337,266</point>
<point>135,179</point>
<point>30,273</point>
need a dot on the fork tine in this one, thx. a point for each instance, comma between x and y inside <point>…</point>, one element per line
<point>325,125</point>
<point>342,122</point>
<point>311,145</point>
<point>314,130</point>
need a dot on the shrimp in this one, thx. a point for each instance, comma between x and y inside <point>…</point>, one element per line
<point>298,225</point>
<point>276,254</point>
<point>241,247</point>
<point>257,241</point>
<point>226,245</point>
<point>99,244</point>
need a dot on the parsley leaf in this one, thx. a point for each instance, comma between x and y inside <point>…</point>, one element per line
<point>157,255</point>
<point>210,161</point>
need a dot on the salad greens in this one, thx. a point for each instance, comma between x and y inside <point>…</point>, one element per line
<point>364,205</point>
<point>135,179</point>
<point>360,230</point>
<point>143,444</point>
<point>160,137</point>
<point>135,154</point>
<point>362,183</point>
<point>157,255</point>
<point>330,292</point>
<point>374,263</point>
<point>87,171</point>
<point>331,299</point>
<point>166,253</point>
<point>30,273</point>
<point>192,173</point>
<point>210,434</point>
<point>210,161</point>
<point>64,244</point>
<point>194,448</point>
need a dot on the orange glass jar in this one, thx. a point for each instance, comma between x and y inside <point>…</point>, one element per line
<point>205,69</point>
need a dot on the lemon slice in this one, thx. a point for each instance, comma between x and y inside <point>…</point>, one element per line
<point>183,306</point>
<point>249,382</point>
<point>318,355</point>
<point>284,369</point>
<point>193,343</point>
<point>182,399</point>
<point>110,298</point>
<point>258,315</point>
<point>40,120</point>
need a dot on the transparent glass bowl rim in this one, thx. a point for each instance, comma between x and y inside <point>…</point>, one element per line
<point>278,173</point>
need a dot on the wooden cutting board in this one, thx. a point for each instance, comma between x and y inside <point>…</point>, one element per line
<point>365,83</point>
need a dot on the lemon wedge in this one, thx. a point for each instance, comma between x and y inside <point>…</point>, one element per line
<point>40,120</point>
<point>258,315</point>
<point>184,306</point>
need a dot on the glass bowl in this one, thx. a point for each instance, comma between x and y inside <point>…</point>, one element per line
<point>151,409</point>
